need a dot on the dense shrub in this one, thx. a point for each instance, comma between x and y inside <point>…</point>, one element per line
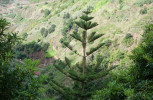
<point>66,16</point>
<point>52,28</point>
<point>20,55</point>
<point>143,11</point>
<point>140,3</point>
<point>36,47</point>
<point>23,51</point>
<point>128,36</point>
<point>17,81</point>
<point>44,32</point>
<point>25,35</point>
<point>45,46</point>
<point>46,12</point>
<point>134,83</point>
<point>128,40</point>
<point>69,25</point>
<point>108,43</point>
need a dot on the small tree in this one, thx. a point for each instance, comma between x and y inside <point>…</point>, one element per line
<point>46,12</point>
<point>86,73</point>
<point>52,28</point>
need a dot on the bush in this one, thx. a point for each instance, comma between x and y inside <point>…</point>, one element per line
<point>20,55</point>
<point>31,47</point>
<point>12,15</point>
<point>128,36</point>
<point>66,16</point>
<point>140,3</point>
<point>17,81</point>
<point>45,46</point>
<point>36,47</point>
<point>120,1</point>
<point>52,28</point>
<point>143,11</point>
<point>44,32</point>
<point>108,43</point>
<point>127,42</point>
<point>25,35</point>
<point>46,12</point>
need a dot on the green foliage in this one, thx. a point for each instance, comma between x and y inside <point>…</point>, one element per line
<point>25,35</point>
<point>23,51</point>
<point>50,52</point>
<point>46,12</point>
<point>143,56</point>
<point>116,90</point>
<point>7,41</point>
<point>18,18</point>
<point>44,32</point>
<point>136,82</point>
<point>5,2</point>
<point>52,28</point>
<point>140,3</point>
<point>128,36</point>
<point>101,3</point>
<point>128,40</point>
<point>17,79</point>
<point>12,15</point>
<point>35,1</point>
<point>20,55</point>
<point>86,76</point>
<point>45,46</point>
<point>108,43</point>
<point>120,1</point>
<point>66,16</point>
<point>142,69</point>
<point>69,24</point>
<point>143,11</point>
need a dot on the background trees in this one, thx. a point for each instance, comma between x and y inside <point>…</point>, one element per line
<point>134,83</point>
<point>17,79</point>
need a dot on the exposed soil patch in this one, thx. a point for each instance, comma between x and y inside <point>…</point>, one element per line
<point>43,60</point>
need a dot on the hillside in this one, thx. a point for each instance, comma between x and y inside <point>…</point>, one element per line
<point>116,19</point>
<point>44,25</point>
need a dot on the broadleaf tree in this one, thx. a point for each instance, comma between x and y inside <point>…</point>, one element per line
<point>83,74</point>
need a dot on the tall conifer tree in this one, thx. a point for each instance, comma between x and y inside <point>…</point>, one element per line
<point>82,74</point>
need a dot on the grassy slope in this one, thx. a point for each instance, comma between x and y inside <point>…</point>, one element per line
<point>115,20</point>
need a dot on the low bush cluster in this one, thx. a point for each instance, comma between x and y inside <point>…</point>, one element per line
<point>52,28</point>
<point>66,16</point>
<point>46,12</point>
<point>23,51</point>
<point>143,11</point>
<point>140,3</point>
<point>128,40</point>
<point>44,32</point>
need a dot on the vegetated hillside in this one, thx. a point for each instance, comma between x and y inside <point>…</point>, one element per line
<point>121,22</point>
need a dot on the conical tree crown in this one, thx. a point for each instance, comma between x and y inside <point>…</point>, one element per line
<point>82,74</point>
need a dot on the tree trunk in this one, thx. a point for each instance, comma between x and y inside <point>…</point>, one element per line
<point>84,62</point>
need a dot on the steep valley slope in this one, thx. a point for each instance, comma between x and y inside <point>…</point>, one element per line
<point>121,21</point>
